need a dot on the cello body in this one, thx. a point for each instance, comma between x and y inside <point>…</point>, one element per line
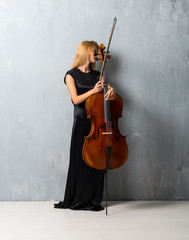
<point>104,134</point>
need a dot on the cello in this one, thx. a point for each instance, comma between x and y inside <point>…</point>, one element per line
<point>104,148</point>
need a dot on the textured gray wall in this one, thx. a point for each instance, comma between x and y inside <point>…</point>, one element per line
<point>149,69</point>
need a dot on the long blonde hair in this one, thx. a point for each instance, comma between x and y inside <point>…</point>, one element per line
<point>82,54</point>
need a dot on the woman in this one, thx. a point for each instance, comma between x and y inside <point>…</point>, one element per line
<point>84,187</point>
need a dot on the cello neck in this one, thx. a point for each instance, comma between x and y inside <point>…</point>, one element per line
<point>107,113</point>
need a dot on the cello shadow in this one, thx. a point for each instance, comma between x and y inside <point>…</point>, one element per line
<point>156,139</point>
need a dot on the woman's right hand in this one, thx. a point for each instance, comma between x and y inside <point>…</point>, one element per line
<point>98,86</point>
<point>77,99</point>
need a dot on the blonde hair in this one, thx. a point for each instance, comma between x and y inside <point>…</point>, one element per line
<point>82,54</point>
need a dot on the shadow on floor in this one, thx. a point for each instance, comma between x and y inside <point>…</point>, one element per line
<point>144,204</point>
<point>140,205</point>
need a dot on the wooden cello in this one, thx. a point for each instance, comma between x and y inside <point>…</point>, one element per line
<point>104,148</point>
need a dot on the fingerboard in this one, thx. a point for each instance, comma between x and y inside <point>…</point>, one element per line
<point>107,113</point>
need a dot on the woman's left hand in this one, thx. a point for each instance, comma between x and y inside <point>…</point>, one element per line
<point>110,95</point>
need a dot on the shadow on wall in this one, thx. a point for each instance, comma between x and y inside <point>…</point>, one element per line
<point>153,143</point>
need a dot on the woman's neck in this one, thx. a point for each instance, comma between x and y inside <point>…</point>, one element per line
<point>85,68</point>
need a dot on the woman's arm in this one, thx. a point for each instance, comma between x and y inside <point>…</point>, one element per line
<point>73,91</point>
<point>110,95</point>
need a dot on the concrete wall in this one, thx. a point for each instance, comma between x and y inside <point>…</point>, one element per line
<point>149,69</point>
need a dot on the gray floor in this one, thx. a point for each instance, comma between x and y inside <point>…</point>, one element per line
<point>126,220</point>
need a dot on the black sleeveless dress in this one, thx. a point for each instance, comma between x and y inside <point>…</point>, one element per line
<point>84,187</point>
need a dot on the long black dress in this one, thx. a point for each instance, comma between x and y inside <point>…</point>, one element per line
<point>84,187</point>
